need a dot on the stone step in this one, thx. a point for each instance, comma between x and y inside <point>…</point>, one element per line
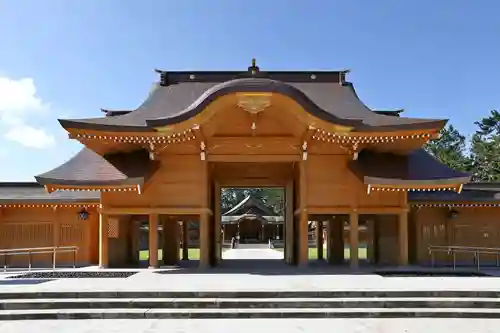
<point>253,294</point>
<point>245,313</point>
<point>255,303</point>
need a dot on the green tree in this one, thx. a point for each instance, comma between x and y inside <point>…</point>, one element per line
<point>450,149</point>
<point>485,148</point>
<point>273,197</point>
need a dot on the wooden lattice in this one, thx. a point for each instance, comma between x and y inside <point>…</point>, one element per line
<point>113,227</point>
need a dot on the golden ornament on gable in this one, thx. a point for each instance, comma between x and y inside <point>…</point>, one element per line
<point>254,103</point>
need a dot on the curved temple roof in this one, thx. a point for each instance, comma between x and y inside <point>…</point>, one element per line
<point>88,168</point>
<point>250,205</point>
<point>416,168</point>
<point>180,96</point>
<point>251,208</point>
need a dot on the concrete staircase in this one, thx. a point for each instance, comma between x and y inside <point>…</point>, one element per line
<point>176,305</point>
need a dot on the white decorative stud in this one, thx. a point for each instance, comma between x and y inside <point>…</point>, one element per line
<point>304,151</point>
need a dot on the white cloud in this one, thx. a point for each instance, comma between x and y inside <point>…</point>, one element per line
<point>30,137</point>
<point>18,103</point>
<point>19,96</point>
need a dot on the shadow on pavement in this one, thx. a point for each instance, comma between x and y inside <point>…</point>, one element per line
<point>259,267</point>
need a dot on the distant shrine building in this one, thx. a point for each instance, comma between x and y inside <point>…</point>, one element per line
<point>251,221</point>
<point>353,174</point>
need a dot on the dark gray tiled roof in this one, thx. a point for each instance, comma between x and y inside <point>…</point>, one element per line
<point>485,186</point>
<point>416,168</point>
<point>90,168</point>
<point>30,192</point>
<point>467,195</point>
<point>332,101</point>
<point>250,205</point>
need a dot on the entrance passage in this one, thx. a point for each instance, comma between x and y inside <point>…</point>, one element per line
<point>252,224</point>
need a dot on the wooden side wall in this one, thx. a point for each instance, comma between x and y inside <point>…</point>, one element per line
<point>332,184</point>
<point>175,184</point>
<point>40,227</point>
<point>471,227</point>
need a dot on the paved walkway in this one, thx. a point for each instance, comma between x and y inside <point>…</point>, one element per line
<point>253,325</point>
<point>258,253</point>
<point>280,279</point>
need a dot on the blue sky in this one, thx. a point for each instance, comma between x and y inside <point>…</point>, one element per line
<point>67,59</point>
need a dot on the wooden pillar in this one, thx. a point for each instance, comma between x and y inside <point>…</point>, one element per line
<point>217,224</point>
<point>103,241</point>
<point>185,240</point>
<point>303,252</point>
<point>135,234</point>
<point>319,239</point>
<point>153,240</point>
<point>2,239</point>
<point>403,238</point>
<point>330,254</point>
<point>303,239</point>
<point>56,232</point>
<point>335,240</point>
<point>289,232</point>
<point>204,240</point>
<point>370,241</point>
<point>354,239</point>
<point>204,225</point>
<point>170,242</point>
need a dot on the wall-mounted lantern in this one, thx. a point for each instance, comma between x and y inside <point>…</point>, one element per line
<point>83,215</point>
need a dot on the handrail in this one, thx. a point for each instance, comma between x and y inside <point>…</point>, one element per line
<point>38,250</point>
<point>454,249</point>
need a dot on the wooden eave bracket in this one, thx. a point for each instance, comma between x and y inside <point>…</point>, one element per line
<point>352,148</point>
<point>155,150</point>
<point>49,188</point>
<point>125,188</point>
<point>343,136</point>
<point>53,206</point>
<point>152,151</point>
<point>413,188</point>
